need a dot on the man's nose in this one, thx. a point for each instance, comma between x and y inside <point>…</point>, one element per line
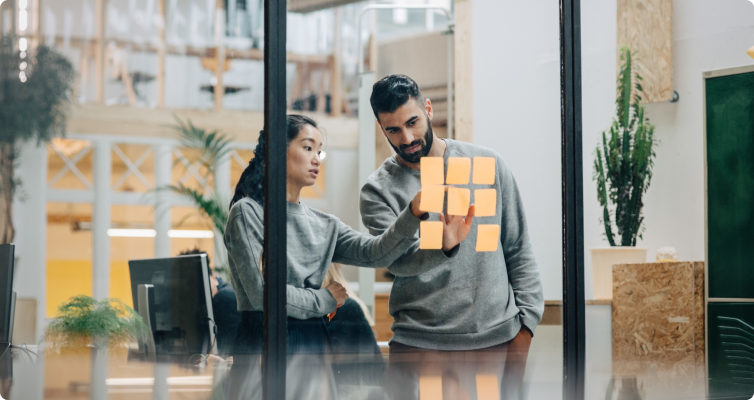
<point>407,137</point>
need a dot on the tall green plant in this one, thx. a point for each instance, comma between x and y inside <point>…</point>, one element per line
<point>35,90</point>
<point>211,146</point>
<point>625,158</point>
<point>83,321</point>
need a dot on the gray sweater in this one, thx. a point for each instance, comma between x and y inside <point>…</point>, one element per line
<point>315,239</point>
<point>472,300</point>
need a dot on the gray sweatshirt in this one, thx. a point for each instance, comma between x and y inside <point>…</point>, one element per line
<point>472,300</point>
<point>315,239</point>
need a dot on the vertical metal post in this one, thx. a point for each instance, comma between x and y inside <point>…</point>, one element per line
<point>161,47</point>
<point>275,207</point>
<point>573,204</point>
<point>101,220</point>
<point>163,167</point>
<point>367,149</point>
<point>451,82</point>
<point>219,89</point>
<point>99,51</point>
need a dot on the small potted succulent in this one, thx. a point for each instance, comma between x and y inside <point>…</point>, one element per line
<point>622,170</point>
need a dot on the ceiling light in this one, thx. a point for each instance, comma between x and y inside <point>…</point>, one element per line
<point>131,233</point>
<point>188,234</point>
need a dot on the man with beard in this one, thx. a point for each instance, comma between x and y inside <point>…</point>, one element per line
<point>458,314</point>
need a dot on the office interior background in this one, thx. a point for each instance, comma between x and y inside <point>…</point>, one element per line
<point>93,199</point>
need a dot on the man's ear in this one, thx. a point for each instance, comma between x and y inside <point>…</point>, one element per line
<point>428,108</point>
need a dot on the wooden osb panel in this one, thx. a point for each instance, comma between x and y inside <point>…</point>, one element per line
<point>647,27</point>
<point>658,326</point>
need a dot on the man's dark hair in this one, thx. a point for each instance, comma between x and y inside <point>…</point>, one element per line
<point>393,91</point>
<point>196,250</point>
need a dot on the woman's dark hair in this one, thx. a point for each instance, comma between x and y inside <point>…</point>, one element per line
<point>251,183</point>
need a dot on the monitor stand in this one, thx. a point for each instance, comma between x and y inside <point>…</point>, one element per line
<point>145,297</point>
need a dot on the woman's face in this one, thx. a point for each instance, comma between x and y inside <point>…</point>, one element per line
<point>304,157</point>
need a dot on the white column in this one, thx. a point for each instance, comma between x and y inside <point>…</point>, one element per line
<point>163,167</point>
<point>101,220</point>
<point>223,193</point>
<point>30,217</point>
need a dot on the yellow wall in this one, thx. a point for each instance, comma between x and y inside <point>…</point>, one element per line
<point>68,278</point>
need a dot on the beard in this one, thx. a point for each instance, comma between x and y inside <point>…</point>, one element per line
<point>426,145</point>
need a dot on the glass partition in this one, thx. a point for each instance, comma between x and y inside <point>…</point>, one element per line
<point>666,136</point>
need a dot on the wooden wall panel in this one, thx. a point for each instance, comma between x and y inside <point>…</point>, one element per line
<point>647,27</point>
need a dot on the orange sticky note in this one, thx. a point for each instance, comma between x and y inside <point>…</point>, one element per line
<point>458,201</point>
<point>487,387</point>
<point>459,169</point>
<point>484,171</point>
<point>487,237</point>
<point>433,198</point>
<point>432,171</point>
<point>430,235</point>
<point>430,387</point>
<point>485,201</point>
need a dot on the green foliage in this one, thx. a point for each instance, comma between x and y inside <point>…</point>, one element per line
<point>38,108</point>
<point>213,145</point>
<point>83,321</point>
<point>211,148</point>
<point>210,205</point>
<point>625,158</point>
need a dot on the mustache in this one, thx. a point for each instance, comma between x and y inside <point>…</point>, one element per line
<point>412,144</point>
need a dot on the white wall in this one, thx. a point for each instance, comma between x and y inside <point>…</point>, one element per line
<point>517,112</point>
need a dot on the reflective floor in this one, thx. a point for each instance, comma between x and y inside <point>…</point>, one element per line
<point>68,375</point>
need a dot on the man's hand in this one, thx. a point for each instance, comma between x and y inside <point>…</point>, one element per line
<point>415,203</point>
<point>521,343</point>
<point>456,228</point>
<point>338,292</point>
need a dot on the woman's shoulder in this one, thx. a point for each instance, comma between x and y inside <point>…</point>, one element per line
<point>246,208</point>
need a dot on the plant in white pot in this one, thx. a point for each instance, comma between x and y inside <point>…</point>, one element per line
<point>622,170</point>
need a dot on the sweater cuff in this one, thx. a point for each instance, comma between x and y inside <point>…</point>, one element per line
<point>529,321</point>
<point>407,223</point>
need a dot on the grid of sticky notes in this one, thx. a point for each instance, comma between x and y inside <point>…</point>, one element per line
<point>434,189</point>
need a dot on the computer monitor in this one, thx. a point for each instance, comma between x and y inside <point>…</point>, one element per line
<point>174,298</point>
<point>7,254</point>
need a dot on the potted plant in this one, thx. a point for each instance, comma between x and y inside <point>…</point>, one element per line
<point>85,325</point>
<point>211,147</point>
<point>35,90</point>
<point>623,170</point>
